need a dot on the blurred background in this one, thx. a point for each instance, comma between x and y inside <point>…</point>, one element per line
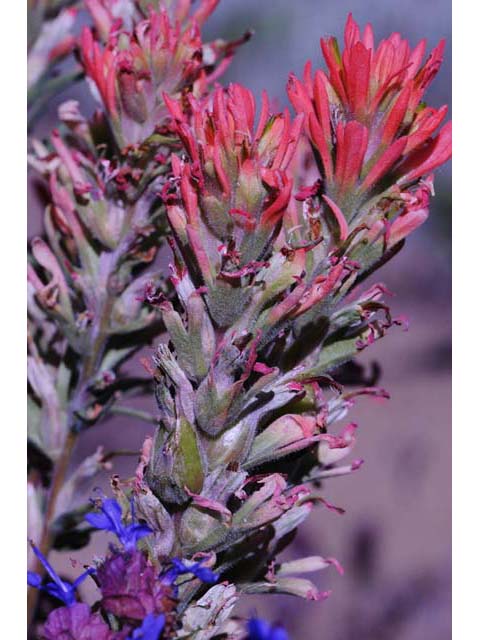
<point>394,540</point>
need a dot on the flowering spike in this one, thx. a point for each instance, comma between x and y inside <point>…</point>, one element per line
<point>263,306</point>
<point>374,139</point>
<point>234,191</point>
<point>133,72</point>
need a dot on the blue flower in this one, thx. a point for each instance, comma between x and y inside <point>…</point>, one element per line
<point>202,573</point>
<point>260,630</point>
<point>58,588</point>
<point>152,627</point>
<point>110,519</point>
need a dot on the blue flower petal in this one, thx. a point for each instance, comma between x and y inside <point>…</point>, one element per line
<point>202,573</point>
<point>259,629</point>
<point>151,628</point>
<point>112,510</point>
<point>136,532</point>
<point>111,520</point>
<point>48,567</point>
<point>99,521</point>
<point>89,572</point>
<point>65,592</point>
<point>58,588</point>
<point>34,579</point>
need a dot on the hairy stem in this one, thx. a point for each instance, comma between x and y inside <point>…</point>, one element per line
<point>58,480</point>
<point>90,366</point>
<point>98,339</point>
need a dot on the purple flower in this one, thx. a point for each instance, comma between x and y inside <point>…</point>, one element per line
<point>75,623</point>
<point>202,573</point>
<point>131,587</point>
<point>151,628</point>
<point>261,630</point>
<point>110,519</point>
<point>58,588</point>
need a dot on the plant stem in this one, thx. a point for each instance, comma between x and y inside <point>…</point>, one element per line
<point>90,365</point>
<point>98,339</point>
<point>47,534</point>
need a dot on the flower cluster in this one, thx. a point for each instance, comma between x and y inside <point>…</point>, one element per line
<point>139,595</point>
<point>374,138</point>
<point>271,223</point>
<point>161,56</point>
<point>88,277</point>
<point>234,190</point>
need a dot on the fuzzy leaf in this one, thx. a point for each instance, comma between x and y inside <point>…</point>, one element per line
<point>306,565</point>
<point>176,464</point>
<point>150,509</point>
<point>285,435</point>
<point>291,586</point>
<point>204,619</point>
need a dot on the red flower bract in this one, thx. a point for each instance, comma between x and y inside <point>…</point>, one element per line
<point>365,119</point>
<point>234,188</point>
<point>134,69</point>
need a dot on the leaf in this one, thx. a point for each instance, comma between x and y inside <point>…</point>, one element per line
<point>176,464</point>
<point>79,482</point>
<point>333,355</point>
<point>292,519</point>
<point>307,565</point>
<point>208,515</point>
<point>72,539</point>
<point>287,434</point>
<point>189,463</point>
<point>35,518</point>
<point>41,93</point>
<point>205,618</point>
<point>114,357</point>
<point>34,416</point>
<point>69,529</point>
<point>300,587</point>
<point>265,505</point>
<point>50,433</point>
<point>150,509</point>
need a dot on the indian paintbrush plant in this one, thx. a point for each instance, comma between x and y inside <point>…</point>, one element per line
<point>272,223</point>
